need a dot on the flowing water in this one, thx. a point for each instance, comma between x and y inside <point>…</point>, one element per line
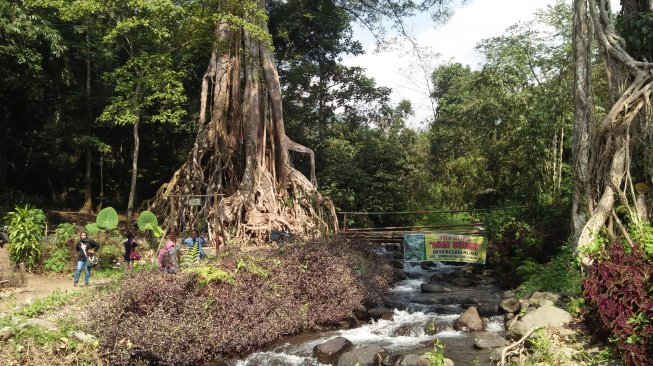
<point>404,334</point>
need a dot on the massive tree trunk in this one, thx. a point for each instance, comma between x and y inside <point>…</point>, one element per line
<point>608,178</point>
<point>240,161</point>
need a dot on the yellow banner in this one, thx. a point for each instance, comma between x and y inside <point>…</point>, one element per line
<point>445,247</point>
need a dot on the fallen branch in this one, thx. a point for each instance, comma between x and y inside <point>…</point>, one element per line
<point>519,342</point>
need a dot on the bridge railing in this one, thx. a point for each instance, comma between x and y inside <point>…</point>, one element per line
<point>393,235</point>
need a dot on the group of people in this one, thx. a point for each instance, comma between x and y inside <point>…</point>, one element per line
<point>166,258</point>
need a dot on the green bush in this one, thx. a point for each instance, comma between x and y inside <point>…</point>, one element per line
<point>58,260</point>
<point>57,249</point>
<point>26,226</point>
<point>561,274</point>
<point>523,237</point>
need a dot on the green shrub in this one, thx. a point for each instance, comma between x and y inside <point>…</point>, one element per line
<point>58,260</point>
<point>58,253</point>
<point>26,226</point>
<point>523,236</point>
<point>561,274</point>
<point>436,357</point>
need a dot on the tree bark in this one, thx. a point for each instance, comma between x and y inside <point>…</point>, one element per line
<point>583,119</point>
<point>608,170</point>
<point>88,184</point>
<point>134,177</point>
<point>240,158</point>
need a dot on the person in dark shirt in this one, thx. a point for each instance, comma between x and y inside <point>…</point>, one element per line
<point>85,248</point>
<point>130,247</point>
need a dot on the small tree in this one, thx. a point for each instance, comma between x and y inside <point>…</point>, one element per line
<point>26,226</point>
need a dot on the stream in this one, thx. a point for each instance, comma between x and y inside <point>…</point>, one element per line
<point>412,311</point>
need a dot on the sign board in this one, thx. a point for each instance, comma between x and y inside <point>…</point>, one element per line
<point>194,202</point>
<point>444,246</point>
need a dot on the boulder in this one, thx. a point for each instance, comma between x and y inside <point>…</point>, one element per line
<point>462,282</point>
<point>537,297</point>
<point>488,308</point>
<point>365,356</point>
<point>470,320</point>
<point>542,316</point>
<point>409,360</point>
<point>361,313</point>
<point>380,313</point>
<point>39,323</point>
<point>6,333</point>
<point>507,294</point>
<point>329,351</point>
<point>423,360</point>
<point>434,288</point>
<point>489,340</point>
<point>510,305</point>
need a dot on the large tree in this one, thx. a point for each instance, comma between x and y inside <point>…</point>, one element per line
<point>603,150</point>
<point>240,159</point>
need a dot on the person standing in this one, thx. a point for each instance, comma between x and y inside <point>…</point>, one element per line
<point>196,239</point>
<point>130,253</point>
<point>85,248</point>
<point>167,257</point>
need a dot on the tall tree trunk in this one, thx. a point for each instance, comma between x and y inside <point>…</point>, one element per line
<point>88,184</point>
<point>583,118</point>
<point>134,178</point>
<point>4,121</point>
<point>608,175</point>
<point>240,158</point>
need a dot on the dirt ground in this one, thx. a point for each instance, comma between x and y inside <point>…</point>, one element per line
<point>40,285</point>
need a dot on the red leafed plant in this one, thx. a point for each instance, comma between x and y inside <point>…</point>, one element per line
<point>619,293</point>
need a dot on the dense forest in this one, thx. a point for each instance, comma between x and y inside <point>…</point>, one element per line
<point>140,104</point>
<point>89,72</point>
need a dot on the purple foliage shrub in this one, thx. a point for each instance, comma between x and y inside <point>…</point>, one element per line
<point>619,292</point>
<point>171,319</point>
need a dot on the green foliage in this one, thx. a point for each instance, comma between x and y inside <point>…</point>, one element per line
<point>58,260</point>
<point>250,265</point>
<point>52,302</point>
<point>542,347</point>
<point>208,274</point>
<point>191,257</point>
<point>63,233</point>
<point>561,274</point>
<point>436,357</point>
<point>26,226</point>
<point>107,219</point>
<point>643,234</point>
<point>147,221</point>
<point>57,253</point>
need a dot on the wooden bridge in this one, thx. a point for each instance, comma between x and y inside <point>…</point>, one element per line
<point>394,235</point>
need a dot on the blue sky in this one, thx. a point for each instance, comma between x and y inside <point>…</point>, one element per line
<point>397,68</point>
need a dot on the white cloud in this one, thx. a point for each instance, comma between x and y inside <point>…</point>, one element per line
<point>478,20</point>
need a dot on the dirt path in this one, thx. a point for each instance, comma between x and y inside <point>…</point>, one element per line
<point>38,287</point>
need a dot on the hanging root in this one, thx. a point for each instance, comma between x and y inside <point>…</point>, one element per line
<point>516,348</point>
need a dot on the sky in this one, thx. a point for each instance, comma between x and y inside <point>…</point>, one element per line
<point>453,41</point>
